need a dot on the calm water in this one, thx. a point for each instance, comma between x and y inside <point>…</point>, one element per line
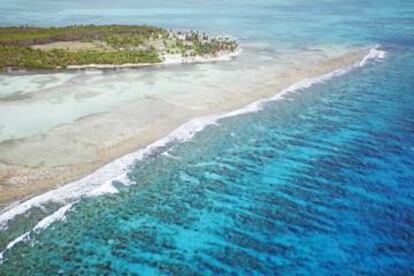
<point>320,182</point>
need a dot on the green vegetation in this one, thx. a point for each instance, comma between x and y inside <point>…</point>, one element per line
<point>59,47</point>
<point>26,36</point>
<point>26,57</point>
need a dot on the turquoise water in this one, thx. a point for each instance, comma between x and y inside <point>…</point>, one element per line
<point>319,182</point>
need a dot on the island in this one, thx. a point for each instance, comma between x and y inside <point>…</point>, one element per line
<point>106,46</point>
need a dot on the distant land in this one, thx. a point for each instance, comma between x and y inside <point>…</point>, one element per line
<point>106,46</point>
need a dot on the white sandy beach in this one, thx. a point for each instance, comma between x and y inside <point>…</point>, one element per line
<point>168,59</point>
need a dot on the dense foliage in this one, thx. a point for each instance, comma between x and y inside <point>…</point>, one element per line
<point>26,36</point>
<point>26,57</point>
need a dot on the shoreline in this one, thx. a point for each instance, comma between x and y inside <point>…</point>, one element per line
<point>117,154</point>
<point>225,56</point>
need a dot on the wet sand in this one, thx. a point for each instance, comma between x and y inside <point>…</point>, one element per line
<point>37,163</point>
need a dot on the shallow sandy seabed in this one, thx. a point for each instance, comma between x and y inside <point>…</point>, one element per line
<point>42,158</point>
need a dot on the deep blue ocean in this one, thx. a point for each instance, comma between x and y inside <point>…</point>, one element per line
<point>320,182</point>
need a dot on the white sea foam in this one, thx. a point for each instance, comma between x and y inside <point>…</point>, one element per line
<point>58,215</point>
<point>11,244</point>
<point>106,188</point>
<point>100,181</point>
<point>374,53</point>
<point>169,155</point>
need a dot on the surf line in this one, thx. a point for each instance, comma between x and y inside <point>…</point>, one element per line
<point>100,181</point>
